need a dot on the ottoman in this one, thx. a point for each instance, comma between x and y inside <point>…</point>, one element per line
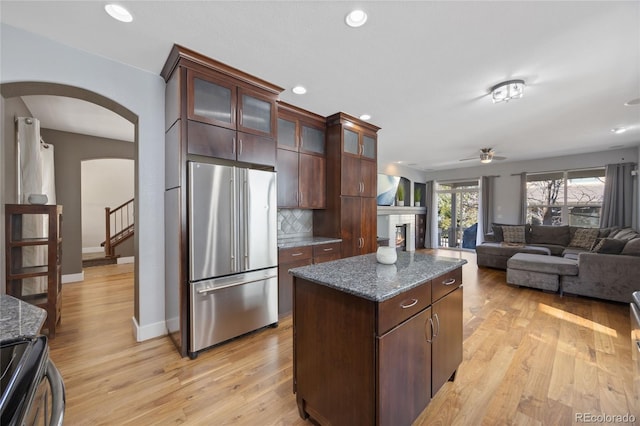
<point>539,271</point>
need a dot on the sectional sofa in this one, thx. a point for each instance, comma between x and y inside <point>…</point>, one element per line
<point>602,263</point>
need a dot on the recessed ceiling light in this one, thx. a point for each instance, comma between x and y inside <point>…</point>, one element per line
<point>365,117</point>
<point>356,18</point>
<point>619,130</point>
<point>299,90</point>
<point>118,12</point>
<point>633,102</point>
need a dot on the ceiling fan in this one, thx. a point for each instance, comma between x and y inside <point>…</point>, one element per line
<point>486,156</point>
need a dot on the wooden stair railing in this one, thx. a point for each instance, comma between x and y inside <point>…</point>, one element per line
<point>119,226</point>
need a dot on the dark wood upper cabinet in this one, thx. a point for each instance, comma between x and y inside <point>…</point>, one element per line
<point>352,173</point>
<point>301,138</point>
<point>211,100</point>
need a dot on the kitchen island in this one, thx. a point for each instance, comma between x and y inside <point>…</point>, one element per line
<point>18,318</point>
<point>372,342</point>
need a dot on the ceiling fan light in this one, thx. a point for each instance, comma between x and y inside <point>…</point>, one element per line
<point>507,90</point>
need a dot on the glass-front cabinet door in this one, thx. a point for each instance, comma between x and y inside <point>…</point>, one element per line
<point>211,101</point>
<point>351,142</point>
<point>311,139</point>
<point>287,134</point>
<point>256,113</point>
<point>368,147</point>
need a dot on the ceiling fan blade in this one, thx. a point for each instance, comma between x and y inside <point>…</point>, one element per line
<point>468,159</point>
<point>499,158</point>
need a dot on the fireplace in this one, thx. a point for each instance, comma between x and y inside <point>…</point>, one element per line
<point>401,237</point>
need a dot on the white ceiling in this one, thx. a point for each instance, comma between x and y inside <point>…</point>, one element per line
<point>421,69</point>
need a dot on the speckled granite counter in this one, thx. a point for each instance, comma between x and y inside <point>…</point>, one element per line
<point>306,241</point>
<point>18,318</point>
<point>363,276</point>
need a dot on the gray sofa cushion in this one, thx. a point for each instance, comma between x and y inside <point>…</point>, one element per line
<point>632,247</point>
<point>554,249</point>
<point>572,252</point>
<point>546,234</point>
<point>543,264</point>
<point>497,231</point>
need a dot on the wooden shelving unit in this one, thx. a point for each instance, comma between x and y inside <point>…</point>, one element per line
<point>17,240</point>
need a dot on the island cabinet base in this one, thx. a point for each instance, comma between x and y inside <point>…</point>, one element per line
<point>358,361</point>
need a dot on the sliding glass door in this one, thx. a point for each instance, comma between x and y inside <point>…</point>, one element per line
<point>457,214</point>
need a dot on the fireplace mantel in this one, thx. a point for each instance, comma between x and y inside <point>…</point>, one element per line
<point>389,210</point>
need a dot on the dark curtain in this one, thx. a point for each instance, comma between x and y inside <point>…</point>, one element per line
<point>430,214</point>
<point>487,184</point>
<point>523,197</point>
<point>617,205</point>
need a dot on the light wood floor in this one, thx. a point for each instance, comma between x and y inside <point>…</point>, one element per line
<point>529,358</point>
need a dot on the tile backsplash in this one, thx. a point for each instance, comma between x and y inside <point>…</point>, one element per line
<point>294,223</point>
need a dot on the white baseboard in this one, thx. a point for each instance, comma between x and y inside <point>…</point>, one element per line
<point>128,259</point>
<point>73,278</point>
<point>92,249</point>
<point>148,331</point>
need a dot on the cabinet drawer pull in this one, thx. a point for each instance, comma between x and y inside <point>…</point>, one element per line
<point>437,332</point>
<point>328,249</point>
<point>412,303</point>
<point>296,254</point>
<point>426,334</point>
<point>449,281</point>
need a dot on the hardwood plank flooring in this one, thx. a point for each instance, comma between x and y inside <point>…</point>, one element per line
<point>530,357</point>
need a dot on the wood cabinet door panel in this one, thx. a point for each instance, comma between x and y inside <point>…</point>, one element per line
<point>404,371</point>
<point>312,181</point>
<point>350,226</point>
<point>212,141</point>
<point>351,182</point>
<point>369,178</point>
<point>447,341</point>
<point>285,284</point>
<point>256,149</point>
<point>287,168</point>
<point>368,225</point>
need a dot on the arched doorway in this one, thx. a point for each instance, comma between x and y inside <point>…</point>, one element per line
<point>72,212</point>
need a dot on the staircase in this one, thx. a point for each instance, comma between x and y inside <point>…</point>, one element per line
<point>119,227</point>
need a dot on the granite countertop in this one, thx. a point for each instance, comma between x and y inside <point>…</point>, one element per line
<point>363,276</point>
<point>18,318</point>
<point>306,241</point>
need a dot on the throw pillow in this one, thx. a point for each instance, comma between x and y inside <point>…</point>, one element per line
<point>608,246</point>
<point>624,234</point>
<point>549,234</point>
<point>497,232</point>
<point>632,248</point>
<point>513,234</point>
<point>584,238</point>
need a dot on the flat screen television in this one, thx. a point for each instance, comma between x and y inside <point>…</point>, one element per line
<point>387,188</point>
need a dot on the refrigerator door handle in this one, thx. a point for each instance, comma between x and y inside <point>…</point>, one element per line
<point>234,239</point>
<point>245,247</point>
<point>234,284</point>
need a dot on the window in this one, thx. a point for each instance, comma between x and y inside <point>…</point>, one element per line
<point>457,214</point>
<point>571,197</point>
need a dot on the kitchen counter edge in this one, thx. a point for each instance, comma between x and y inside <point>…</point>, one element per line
<point>19,318</point>
<point>364,277</point>
<point>306,241</point>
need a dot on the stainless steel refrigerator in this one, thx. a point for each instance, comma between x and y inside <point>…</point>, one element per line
<point>233,257</point>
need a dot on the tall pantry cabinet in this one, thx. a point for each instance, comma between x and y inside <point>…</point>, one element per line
<point>351,185</point>
<point>213,113</point>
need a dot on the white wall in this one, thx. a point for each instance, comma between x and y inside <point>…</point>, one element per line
<point>28,57</point>
<point>507,190</point>
<point>106,182</point>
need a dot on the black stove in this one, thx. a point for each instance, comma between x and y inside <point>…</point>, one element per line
<point>27,398</point>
